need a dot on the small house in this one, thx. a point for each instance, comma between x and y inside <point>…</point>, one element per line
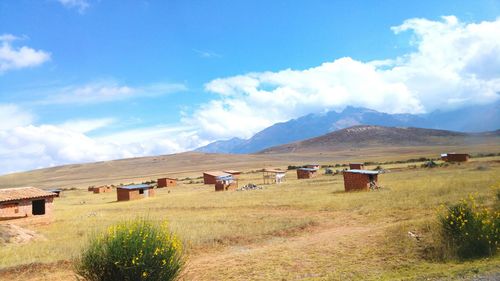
<point>225,183</point>
<point>306,173</point>
<point>133,192</point>
<point>360,180</point>
<point>102,189</point>
<point>166,182</point>
<point>273,176</point>
<point>25,202</point>
<point>211,177</point>
<point>234,173</point>
<point>455,157</point>
<point>356,166</point>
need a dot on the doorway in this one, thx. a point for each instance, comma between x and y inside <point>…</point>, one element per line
<point>38,207</point>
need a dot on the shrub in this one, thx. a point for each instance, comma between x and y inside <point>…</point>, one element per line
<point>137,250</point>
<point>470,231</point>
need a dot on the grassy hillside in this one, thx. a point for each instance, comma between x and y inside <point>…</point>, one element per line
<point>378,136</point>
<point>300,230</point>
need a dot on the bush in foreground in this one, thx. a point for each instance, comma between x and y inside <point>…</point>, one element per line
<point>470,231</point>
<point>138,250</point>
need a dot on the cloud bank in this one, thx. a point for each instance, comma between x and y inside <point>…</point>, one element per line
<point>454,64</point>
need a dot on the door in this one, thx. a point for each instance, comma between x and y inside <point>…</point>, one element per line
<point>38,207</point>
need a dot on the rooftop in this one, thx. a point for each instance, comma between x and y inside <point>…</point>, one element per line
<point>366,172</point>
<point>216,173</point>
<point>135,186</point>
<point>21,193</point>
<point>307,169</point>
<point>232,172</point>
<point>276,171</point>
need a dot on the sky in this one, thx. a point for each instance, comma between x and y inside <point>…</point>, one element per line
<point>94,80</point>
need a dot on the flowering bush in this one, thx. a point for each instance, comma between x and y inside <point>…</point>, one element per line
<point>138,250</point>
<point>471,231</point>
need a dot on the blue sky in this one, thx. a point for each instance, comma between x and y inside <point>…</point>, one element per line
<point>84,80</point>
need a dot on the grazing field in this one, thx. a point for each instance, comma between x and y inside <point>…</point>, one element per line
<point>299,230</point>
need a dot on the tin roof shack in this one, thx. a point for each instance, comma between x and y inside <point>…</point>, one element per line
<point>211,177</point>
<point>133,192</point>
<point>234,173</point>
<point>360,180</point>
<point>166,182</point>
<point>356,166</point>
<point>226,183</point>
<point>455,157</point>
<point>273,176</point>
<point>25,202</point>
<point>306,173</point>
<point>56,191</point>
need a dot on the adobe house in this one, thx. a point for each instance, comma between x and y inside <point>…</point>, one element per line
<point>24,202</point>
<point>226,183</point>
<point>102,189</point>
<point>234,173</point>
<point>273,176</point>
<point>211,177</point>
<point>306,173</point>
<point>356,166</point>
<point>360,180</point>
<point>133,192</point>
<point>455,157</point>
<point>166,182</point>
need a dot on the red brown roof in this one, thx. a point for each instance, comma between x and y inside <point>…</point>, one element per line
<point>21,193</point>
<point>232,172</point>
<point>216,173</point>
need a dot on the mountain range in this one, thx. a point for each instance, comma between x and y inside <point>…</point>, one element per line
<point>470,119</point>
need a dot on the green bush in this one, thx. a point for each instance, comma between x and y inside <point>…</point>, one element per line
<point>470,231</point>
<point>130,251</point>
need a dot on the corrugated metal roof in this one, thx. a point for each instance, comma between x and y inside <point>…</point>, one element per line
<point>366,172</point>
<point>232,172</point>
<point>135,186</point>
<point>21,193</point>
<point>216,173</point>
<point>307,169</point>
<point>225,178</point>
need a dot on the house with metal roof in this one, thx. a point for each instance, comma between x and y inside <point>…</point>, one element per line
<point>455,157</point>
<point>306,173</point>
<point>360,180</point>
<point>134,192</point>
<point>223,183</point>
<point>25,202</point>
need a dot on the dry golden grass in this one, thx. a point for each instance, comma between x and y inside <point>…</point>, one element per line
<point>299,230</point>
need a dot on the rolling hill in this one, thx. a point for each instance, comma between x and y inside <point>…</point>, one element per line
<point>379,136</point>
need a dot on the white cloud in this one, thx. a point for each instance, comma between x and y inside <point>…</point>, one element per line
<point>12,116</point>
<point>454,64</point>
<point>16,58</point>
<point>107,92</point>
<point>87,125</point>
<point>31,147</point>
<point>80,5</point>
<point>207,54</point>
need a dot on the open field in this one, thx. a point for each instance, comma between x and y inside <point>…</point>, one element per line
<point>191,164</point>
<point>299,230</point>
